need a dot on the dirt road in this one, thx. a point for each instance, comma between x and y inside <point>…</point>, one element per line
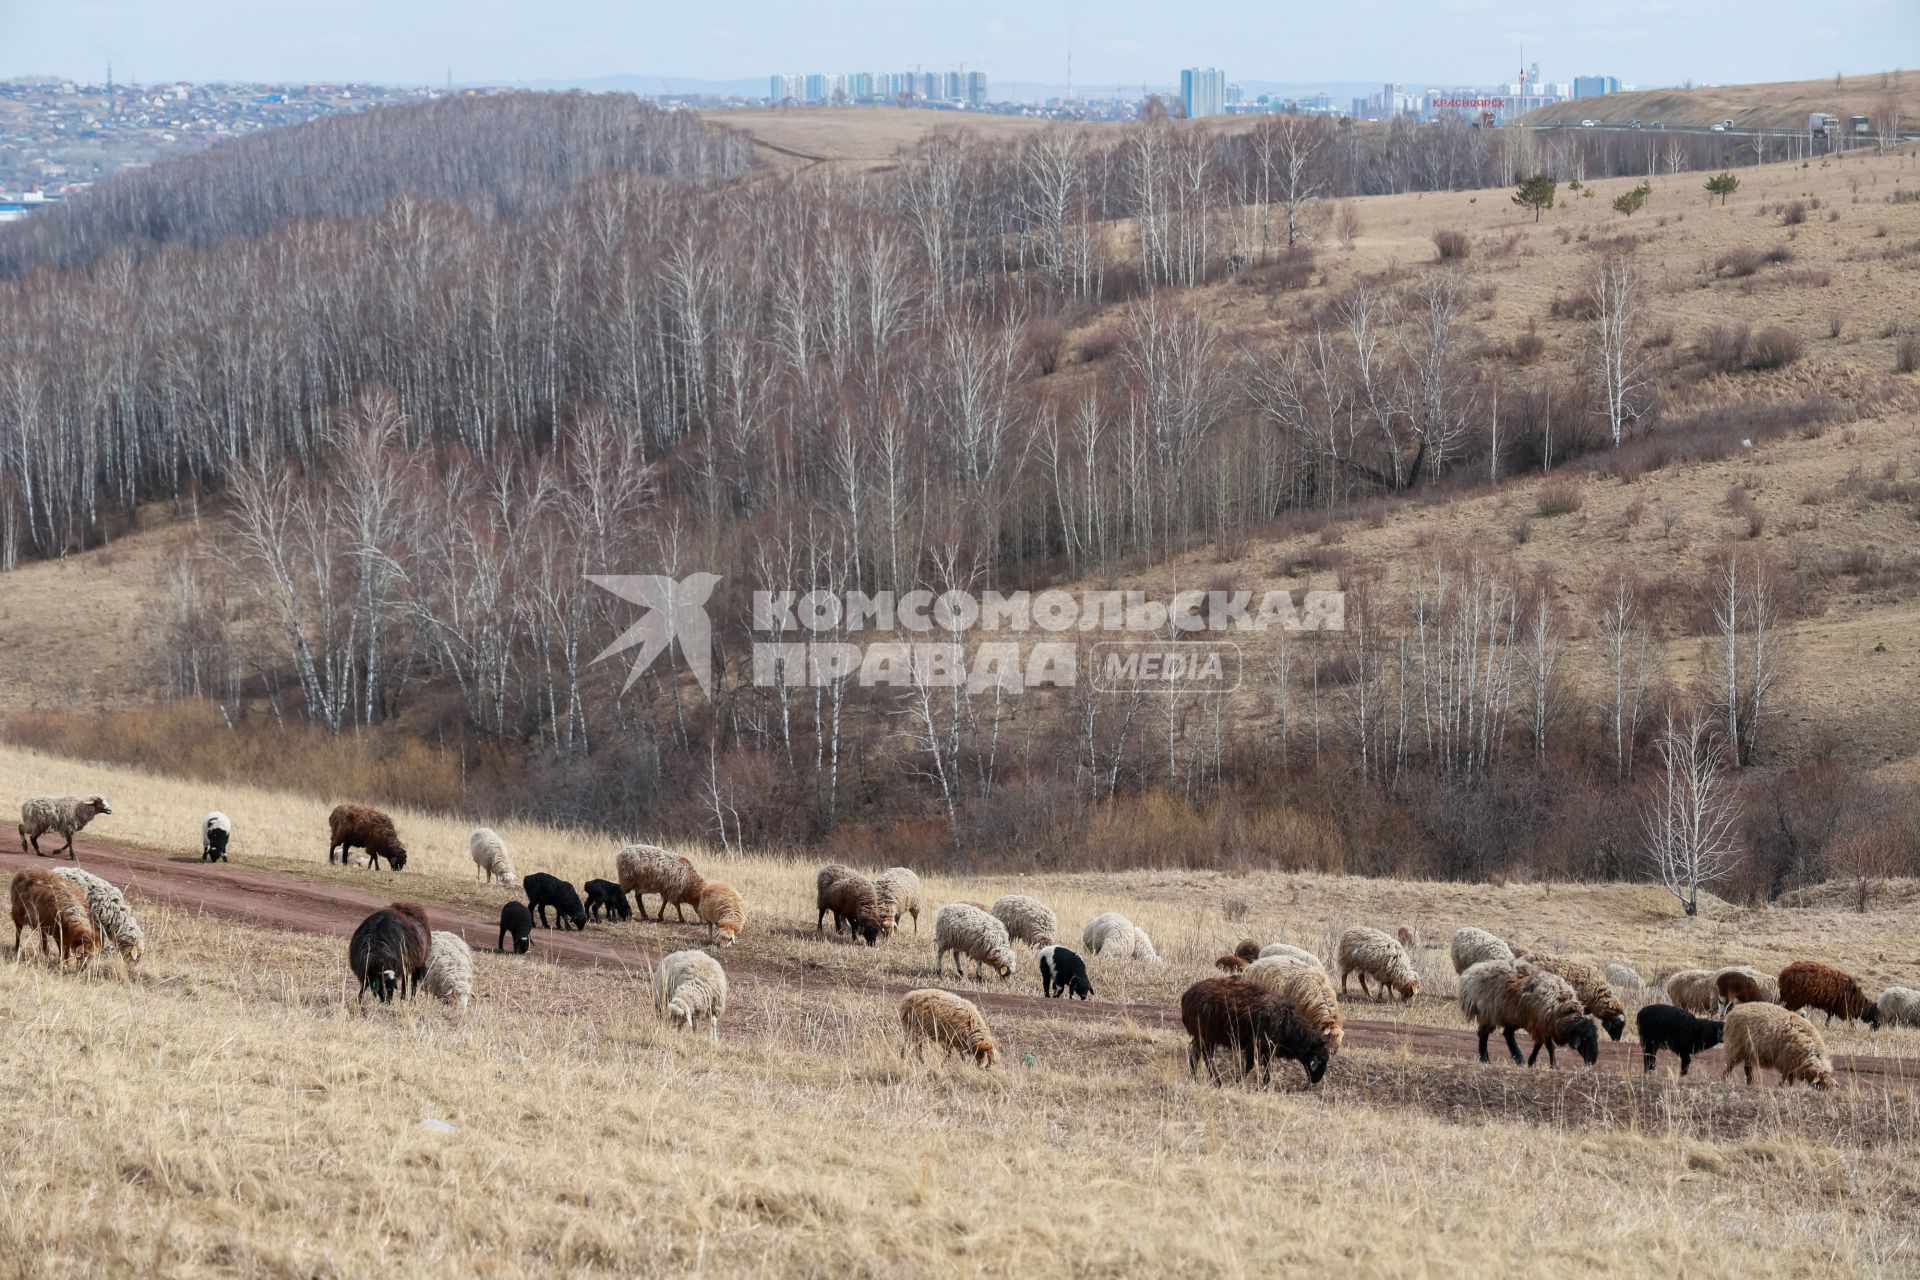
<point>274,901</point>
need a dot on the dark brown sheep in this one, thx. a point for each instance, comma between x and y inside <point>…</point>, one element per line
<point>355,824</point>
<point>853,900</point>
<point>1247,950</point>
<point>1832,991</point>
<point>1737,988</point>
<point>1253,1020</point>
<point>1230,965</point>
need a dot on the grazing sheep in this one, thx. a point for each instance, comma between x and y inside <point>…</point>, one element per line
<point>1253,1019</point>
<point>517,920</point>
<point>1625,977</point>
<point>948,1021</point>
<point>1369,953</point>
<point>61,815</point>
<point>1230,964</point>
<point>1765,983</point>
<point>1693,990</point>
<point>1596,996</point>
<point>968,931</point>
<point>1409,938</point>
<point>1735,988</point>
<point>1832,991</point>
<point>381,955</point>
<point>1027,919</point>
<point>355,824</point>
<point>1471,946</point>
<point>852,901</point>
<point>1510,994</point>
<point>722,908</point>
<point>215,832</point>
<point>1665,1026</point>
<point>647,868</point>
<point>545,890</point>
<point>112,918</point>
<point>1766,1035</point>
<point>1291,952</point>
<point>449,967</point>
<point>1247,949</point>
<point>490,860</point>
<point>1112,934</point>
<point>1900,1007</point>
<point>899,890</point>
<point>1062,970</point>
<point>688,986</point>
<point>1305,987</point>
<point>607,901</point>
<point>419,941</point>
<point>56,907</point>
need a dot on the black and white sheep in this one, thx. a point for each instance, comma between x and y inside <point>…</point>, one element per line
<point>1062,971</point>
<point>215,833</point>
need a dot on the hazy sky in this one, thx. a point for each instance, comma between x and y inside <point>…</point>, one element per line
<point>1647,42</point>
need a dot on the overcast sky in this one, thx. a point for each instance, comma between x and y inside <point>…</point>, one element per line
<point>1647,42</point>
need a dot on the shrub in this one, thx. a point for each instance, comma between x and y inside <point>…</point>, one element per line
<point>1723,348</point>
<point>1738,263</point>
<point>1794,213</point>
<point>1773,348</point>
<point>1557,498</point>
<point>1099,344</point>
<point>1574,306</point>
<point>1906,353</point>
<point>1778,254</point>
<point>1046,342</point>
<point>1453,245</point>
<point>1525,348</point>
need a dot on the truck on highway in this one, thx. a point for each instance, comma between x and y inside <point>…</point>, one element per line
<point>1819,122</point>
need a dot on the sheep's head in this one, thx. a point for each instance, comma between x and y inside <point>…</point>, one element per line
<point>397,857</point>
<point>1818,1073</point>
<point>579,919</point>
<point>1003,961</point>
<point>521,942</point>
<point>132,949</point>
<point>509,879</point>
<point>867,931</point>
<point>1079,985</point>
<point>1615,1023</point>
<point>1712,1034</point>
<point>1407,987</point>
<point>986,1051</point>
<point>1872,1016</point>
<point>99,804</point>
<point>1580,1035</point>
<point>1316,1063</point>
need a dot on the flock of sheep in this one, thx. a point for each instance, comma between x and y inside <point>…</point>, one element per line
<point>1274,1000</point>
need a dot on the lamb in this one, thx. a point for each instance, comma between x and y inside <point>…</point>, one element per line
<point>1253,1019</point>
<point>1409,941</point>
<point>1625,977</point>
<point>1370,953</point>
<point>215,832</point>
<point>607,901</point>
<point>1900,1007</point>
<point>1736,987</point>
<point>1596,996</point>
<point>1247,949</point>
<point>56,907</point>
<point>722,908</point>
<point>419,942</point>
<point>647,868</point>
<point>381,955</point>
<point>688,986</point>
<point>1693,990</point>
<point>1664,1026</point>
<point>517,920</point>
<point>1510,994</point>
<point>490,860</point>
<point>1471,946</point>
<point>899,890</point>
<point>1832,991</point>
<point>1765,984</point>
<point>355,824</point>
<point>544,890</point>
<point>112,918</point>
<point>1292,952</point>
<point>1028,919</point>
<point>852,901</point>
<point>1062,970</point>
<point>449,967</point>
<point>1305,987</point>
<point>1113,934</point>
<point>968,931</point>
<point>1230,964</point>
<point>1766,1035</point>
<point>61,815</point>
<point>949,1022</point>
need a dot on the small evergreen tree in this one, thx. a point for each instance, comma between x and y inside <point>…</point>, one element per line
<point>1722,184</point>
<point>1631,202</point>
<point>1536,193</point>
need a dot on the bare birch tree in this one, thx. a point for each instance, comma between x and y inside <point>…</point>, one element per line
<point>1688,827</point>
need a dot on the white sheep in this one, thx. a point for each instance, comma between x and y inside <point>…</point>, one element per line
<point>1288,951</point>
<point>489,854</point>
<point>899,890</point>
<point>1899,1007</point>
<point>1028,919</point>
<point>1625,977</point>
<point>1303,984</point>
<point>968,931</point>
<point>1471,946</point>
<point>1370,953</point>
<point>688,986</point>
<point>112,918</point>
<point>1765,1035</point>
<point>449,967</point>
<point>1113,934</point>
<point>216,831</point>
<point>61,815</point>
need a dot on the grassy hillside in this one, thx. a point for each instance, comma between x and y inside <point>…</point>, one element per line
<point>1781,105</point>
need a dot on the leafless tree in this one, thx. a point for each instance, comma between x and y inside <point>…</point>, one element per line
<point>1616,344</point>
<point>1688,826</point>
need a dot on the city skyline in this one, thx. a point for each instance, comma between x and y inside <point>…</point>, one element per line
<point>1649,42</point>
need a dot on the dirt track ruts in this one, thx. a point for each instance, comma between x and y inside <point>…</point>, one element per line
<point>279,901</point>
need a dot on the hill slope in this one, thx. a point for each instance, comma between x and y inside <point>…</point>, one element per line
<point>1784,105</point>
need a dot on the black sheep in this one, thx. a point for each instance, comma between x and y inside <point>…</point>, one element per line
<point>545,891</point>
<point>515,919</point>
<point>1248,1017</point>
<point>607,901</point>
<point>1665,1026</point>
<point>1062,971</point>
<point>379,955</point>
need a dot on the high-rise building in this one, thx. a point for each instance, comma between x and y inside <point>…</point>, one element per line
<point>1203,91</point>
<point>786,88</point>
<point>1595,86</point>
<point>977,88</point>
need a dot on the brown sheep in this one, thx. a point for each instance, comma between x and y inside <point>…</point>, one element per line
<point>853,901</point>
<point>1230,964</point>
<point>355,824</point>
<point>1736,987</point>
<point>1832,991</point>
<point>722,908</point>
<point>1247,950</point>
<point>53,905</point>
<point>647,868</point>
<point>1765,1035</point>
<point>1247,1017</point>
<point>1595,992</point>
<point>948,1021</point>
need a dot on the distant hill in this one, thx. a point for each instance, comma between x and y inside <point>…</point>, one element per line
<point>1784,105</point>
<point>645,85</point>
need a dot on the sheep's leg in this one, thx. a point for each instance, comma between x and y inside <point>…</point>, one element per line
<point>1647,1056</point>
<point>1485,1033</point>
<point>1363,986</point>
<point>1684,1059</point>
<point>678,913</point>
<point>1749,1067</point>
<point>1513,1044</point>
<point>1534,1055</point>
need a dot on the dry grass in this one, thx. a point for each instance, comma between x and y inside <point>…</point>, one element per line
<point>1779,105</point>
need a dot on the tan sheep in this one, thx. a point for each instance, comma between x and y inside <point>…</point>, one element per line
<point>1591,985</point>
<point>899,890</point>
<point>647,868</point>
<point>490,859</point>
<point>948,1021</point>
<point>1306,988</point>
<point>1369,953</point>
<point>1765,1035</point>
<point>1510,994</point>
<point>1472,945</point>
<point>1027,919</point>
<point>1694,991</point>
<point>722,908</point>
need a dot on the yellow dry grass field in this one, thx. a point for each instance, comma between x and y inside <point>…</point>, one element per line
<point>1779,105</point>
